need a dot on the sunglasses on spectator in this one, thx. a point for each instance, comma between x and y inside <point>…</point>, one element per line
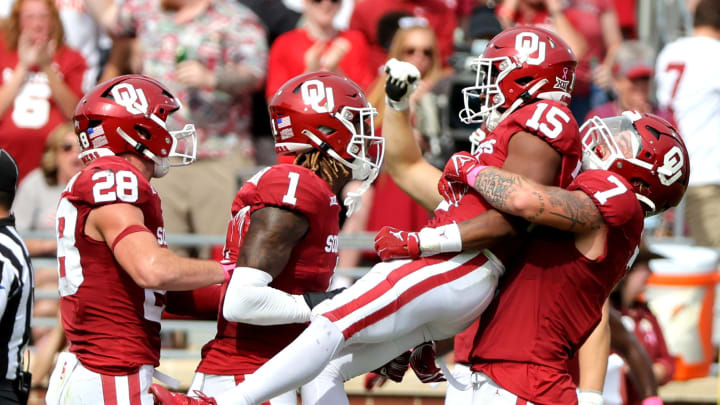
<point>411,51</point>
<point>320,1</point>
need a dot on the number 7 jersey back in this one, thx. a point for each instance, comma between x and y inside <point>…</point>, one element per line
<point>113,325</point>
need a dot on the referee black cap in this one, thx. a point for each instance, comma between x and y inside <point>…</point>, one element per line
<point>8,172</point>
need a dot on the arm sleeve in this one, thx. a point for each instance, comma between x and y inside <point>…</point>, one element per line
<point>250,300</point>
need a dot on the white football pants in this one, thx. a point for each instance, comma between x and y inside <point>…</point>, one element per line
<point>73,384</point>
<point>394,307</point>
<point>211,384</point>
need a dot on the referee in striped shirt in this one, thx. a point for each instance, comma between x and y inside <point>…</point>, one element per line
<point>16,292</point>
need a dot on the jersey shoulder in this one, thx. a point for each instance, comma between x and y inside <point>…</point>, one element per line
<point>109,180</point>
<point>549,120</point>
<point>288,186</point>
<point>612,194</point>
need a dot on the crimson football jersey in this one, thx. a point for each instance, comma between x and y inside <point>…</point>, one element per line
<point>113,325</point>
<point>549,120</point>
<point>550,303</point>
<point>240,348</point>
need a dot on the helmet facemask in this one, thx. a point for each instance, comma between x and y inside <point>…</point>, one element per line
<point>365,149</point>
<point>485,98</point>
<point>611,143</point>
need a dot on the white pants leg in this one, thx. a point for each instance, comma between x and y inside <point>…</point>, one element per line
<point>431,298</point>
<point>211,385</point>
<point>486,392</point>
<point>454,396</point>
<point>394,299</point>
<point>354,360</point>
<point>73,384</point>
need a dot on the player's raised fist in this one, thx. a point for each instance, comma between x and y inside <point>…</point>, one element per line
<point>402,79</point>
<point>392,243</point>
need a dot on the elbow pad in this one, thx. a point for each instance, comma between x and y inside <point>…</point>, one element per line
<point>250,300</point>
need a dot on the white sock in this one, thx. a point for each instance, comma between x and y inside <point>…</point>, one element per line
<point>295,365</point>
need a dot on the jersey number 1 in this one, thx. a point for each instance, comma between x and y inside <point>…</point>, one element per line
<point>289,197</point>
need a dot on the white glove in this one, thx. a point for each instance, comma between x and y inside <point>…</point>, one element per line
<point>402,80</point>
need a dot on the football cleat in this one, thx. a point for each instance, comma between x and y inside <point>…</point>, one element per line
<point>165,397</point>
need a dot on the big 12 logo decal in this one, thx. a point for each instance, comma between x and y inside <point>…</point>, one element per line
<point>314,93</point>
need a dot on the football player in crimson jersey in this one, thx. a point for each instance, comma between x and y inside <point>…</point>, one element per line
<point>401,304</point>
<point>114,268</point>
<point>283,235</point>
<point>523,84</point>
<point>633,166</point>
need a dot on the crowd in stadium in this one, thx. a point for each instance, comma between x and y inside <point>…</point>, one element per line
<point>520,164</point>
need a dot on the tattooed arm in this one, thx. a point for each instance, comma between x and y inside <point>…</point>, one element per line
<point>265,252</point>
<point>552,206</point>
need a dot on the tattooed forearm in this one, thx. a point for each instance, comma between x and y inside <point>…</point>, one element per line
<point>576,209</point>
<point>540,209</point>
<point>496,187</point>
<point>552,206</point>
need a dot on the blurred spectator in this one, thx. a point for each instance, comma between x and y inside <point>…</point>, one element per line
<point>318,45</point>
<point>41,80</point>
<point>418,45</point>
<point>627,18</point>
<point>212,55</point>
<point>82,33</point>
<point>631,82</point>
<point>38,194</point>
<point>275,16</point>
<point>368,13</point>
<point>597,22</point>
<point>548,14</point>
<point>689,85</point>
<point>639,319</point>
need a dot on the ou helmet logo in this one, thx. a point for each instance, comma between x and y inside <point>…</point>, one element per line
<point>313,92</point>
<point>671,169</point>
<point>132,99</point>
<point>528,43</point>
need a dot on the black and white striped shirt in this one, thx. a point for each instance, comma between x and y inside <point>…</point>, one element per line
<point>16,298</point>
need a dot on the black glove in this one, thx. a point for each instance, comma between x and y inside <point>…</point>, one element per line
<point>395,369</point>
<point>314,298</point>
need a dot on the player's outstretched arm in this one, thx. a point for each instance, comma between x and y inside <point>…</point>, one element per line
<point>403,159</point>
<point>265,252</point>
<point>121,227</point>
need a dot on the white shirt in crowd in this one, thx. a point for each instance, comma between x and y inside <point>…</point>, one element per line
<point>689,84</point>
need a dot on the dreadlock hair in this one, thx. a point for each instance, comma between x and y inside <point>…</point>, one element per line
<point>323,165</point>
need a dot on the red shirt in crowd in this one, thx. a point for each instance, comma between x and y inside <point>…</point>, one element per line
<point>439,14</point>
<point>31,117</point>
<point>287,59</point>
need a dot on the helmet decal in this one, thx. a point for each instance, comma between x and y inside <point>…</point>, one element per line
<point>314,92</point>
<point>132,99</point>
